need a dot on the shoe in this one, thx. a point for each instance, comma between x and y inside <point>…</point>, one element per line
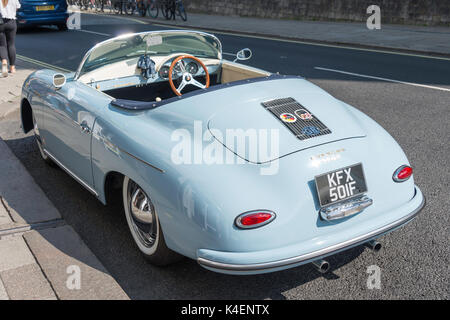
<point>4,70</point>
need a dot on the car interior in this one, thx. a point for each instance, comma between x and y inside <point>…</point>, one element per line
<point>128,83</point>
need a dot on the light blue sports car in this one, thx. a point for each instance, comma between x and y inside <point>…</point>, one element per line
<point>243,170</point>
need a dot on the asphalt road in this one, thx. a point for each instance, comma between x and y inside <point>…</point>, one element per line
<point>414,260</point>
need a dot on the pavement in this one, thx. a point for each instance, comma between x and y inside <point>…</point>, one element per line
<point>41,257</point>
<point>11,87</point>
<point>408,38</point>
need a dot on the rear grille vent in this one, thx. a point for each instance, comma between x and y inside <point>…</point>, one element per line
<point>302,123</point>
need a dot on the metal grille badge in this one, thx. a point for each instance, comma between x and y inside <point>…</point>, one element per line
<point>297,118</point>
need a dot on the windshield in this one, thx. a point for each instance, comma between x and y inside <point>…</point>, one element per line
<point>199,44</point>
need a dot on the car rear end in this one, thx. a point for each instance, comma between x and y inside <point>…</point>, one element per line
<point>340,181</point>
<point>298,233</point>
<point>38,12</point>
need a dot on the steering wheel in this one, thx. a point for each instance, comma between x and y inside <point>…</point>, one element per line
<point>187,78</point>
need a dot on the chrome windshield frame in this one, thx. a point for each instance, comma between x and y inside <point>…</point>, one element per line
<point>86,56</point>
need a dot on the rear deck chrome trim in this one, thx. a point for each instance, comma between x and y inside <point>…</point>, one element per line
<point>315,254</point>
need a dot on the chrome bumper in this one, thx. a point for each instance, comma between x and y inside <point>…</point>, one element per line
<point>309,257</point>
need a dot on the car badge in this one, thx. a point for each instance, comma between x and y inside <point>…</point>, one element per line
<point>303,114</point>
<point>288,117</point>
<point>311,131</point>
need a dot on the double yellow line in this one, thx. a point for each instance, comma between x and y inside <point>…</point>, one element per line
<point>42,64</point>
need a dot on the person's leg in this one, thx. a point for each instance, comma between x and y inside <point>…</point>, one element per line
<point>3,52</point>
<point>10,32</point>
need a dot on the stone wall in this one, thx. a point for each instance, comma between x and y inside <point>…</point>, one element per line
<point>425,12</point>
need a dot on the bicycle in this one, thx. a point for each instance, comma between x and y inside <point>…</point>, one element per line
<point>175,8</point>
<point>117,6</point>
<point>98,5</point>
<point>109,5</point>
<point>82,4</point>
<point>152,8</point>
<point>141,7</point>
<point>130,7</point>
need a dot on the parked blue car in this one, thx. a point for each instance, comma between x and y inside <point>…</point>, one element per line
<point>43,12</point>
<point>161,122</point>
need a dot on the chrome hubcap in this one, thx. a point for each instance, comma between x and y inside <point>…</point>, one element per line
<point>143,217</point>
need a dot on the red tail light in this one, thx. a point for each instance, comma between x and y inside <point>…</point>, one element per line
<point>254,219</point>
<point>402,174</point>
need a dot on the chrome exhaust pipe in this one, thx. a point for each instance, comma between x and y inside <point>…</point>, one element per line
<point>373,245</point>
<point>321,265</point>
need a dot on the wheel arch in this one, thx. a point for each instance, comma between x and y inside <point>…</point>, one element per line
<point>112,187</point>
<point>26,116</point>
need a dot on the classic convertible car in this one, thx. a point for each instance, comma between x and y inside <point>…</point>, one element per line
<point>132,123</point>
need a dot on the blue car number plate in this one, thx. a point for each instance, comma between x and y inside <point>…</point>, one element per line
<point>340,184</point>
<point>45,8</point>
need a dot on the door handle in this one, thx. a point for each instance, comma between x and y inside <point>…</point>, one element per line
<point>85,128</point>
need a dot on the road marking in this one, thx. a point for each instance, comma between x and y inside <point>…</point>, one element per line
<point>94,32</point>
<point>383,79</point>
<point>42,64</point>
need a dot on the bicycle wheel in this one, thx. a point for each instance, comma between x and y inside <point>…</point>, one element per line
<point>169,12</point>
<point>108,6</point>
<point>141,8</point>
<point>117,5</point>
<point>81,4</point>
<point>181,11</point>
<point>152,9</point>
<point>130,8</point>
<point>98,5</point>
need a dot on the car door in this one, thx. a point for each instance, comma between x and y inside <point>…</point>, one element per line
<point>69,124</point>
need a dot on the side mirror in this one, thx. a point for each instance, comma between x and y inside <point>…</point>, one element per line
<point>243,54</point>
<point>59,80</point>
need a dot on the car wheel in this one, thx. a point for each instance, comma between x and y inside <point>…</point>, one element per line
<point>38,139</point>
<point>62,27</point>
<point>144,225</point>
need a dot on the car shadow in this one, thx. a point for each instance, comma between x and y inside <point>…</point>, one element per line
<point>104,229</point>
<point>37,29</point>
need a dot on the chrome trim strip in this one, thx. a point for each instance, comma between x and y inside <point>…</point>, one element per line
<point>312,255</point>
<point>143,161</point>
<point>346,208</point>
<point>79,180</point>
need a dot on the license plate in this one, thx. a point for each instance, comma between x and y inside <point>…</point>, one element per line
<point>340,184</point>
<point>45,8</point>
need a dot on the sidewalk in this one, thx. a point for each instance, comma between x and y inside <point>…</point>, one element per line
<point>418,39</point>
<point>11,87</point>
<point>41,257</point>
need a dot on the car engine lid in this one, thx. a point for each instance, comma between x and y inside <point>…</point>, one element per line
<point>296,116</point>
